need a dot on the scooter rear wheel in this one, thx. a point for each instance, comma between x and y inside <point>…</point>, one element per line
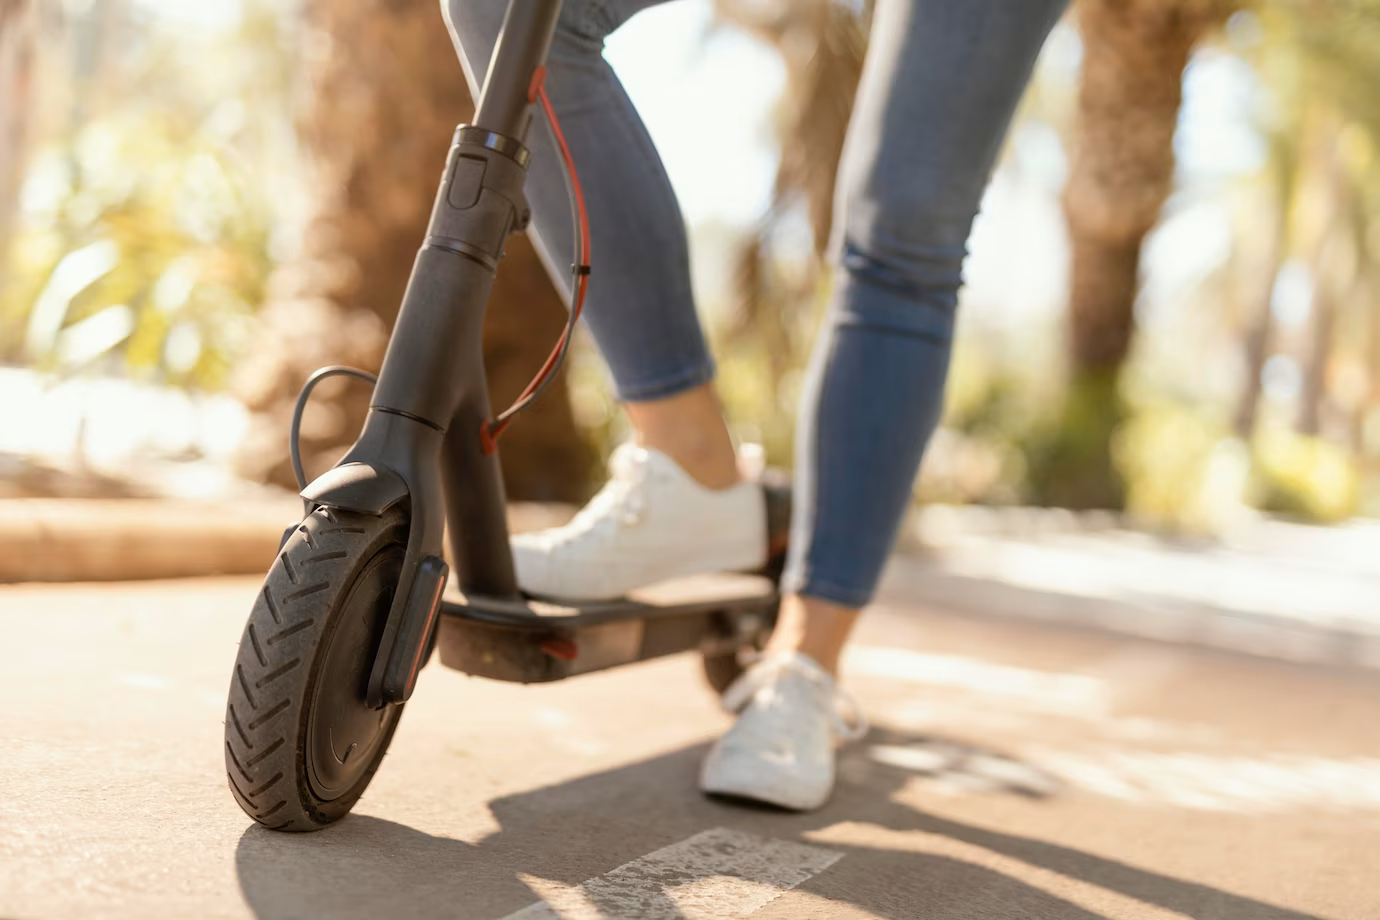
<point>301,744</point>
<point>723,667</point>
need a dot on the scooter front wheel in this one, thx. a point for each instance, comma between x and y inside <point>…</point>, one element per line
<point>301,743</point>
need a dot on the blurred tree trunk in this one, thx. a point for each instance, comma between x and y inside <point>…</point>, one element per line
<point>1134,53</point>
<point>1369,291</point>
<point>1313,400</point>
<point>1333,262</point>
<point>18,38</point>
<point>821,44</point>
<point>1260,324</point>
<point>385,94</point>
<point>1256,341</point>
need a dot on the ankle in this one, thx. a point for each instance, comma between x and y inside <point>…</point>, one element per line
<point>813,627</point>
<point>712,465</point>
<point>689,428</point>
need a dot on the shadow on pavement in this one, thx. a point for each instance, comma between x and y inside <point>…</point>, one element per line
<point>577,830</point>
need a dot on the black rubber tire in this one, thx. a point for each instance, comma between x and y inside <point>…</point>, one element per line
<point>335,568</point>
<point>722,670</point>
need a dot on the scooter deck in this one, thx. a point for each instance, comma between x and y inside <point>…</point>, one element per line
<point>542,640</point>
<point>695,593</point>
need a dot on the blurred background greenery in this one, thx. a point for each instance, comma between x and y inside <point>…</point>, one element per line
<point>1173,305</point>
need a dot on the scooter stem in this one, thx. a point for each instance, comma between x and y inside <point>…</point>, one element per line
<point>431,401</point>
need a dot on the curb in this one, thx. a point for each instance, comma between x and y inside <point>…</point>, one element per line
<point>919,581</point>
<point>71,540</point>
<point>140,539</point>
<point>1267,587</point>
<point>136,539</point>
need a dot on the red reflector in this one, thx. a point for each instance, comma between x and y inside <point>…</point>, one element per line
<point>559,648</point>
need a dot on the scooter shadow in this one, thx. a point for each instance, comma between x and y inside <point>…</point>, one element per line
<point>573,831</point>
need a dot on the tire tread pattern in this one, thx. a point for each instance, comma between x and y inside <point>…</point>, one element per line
<point>265,722</point>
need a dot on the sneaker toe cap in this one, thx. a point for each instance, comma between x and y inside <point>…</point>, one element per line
<point>546,567</point>
<point>766,776</point>
<point>532,563</point>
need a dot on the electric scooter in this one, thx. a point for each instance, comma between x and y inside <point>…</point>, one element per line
<point>361,595</point>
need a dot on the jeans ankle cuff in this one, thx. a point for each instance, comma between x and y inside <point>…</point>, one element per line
<point>824,590</point>
<point>663,387</point>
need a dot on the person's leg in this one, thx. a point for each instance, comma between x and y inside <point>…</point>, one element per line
<point>675,504</point>
<point>939,87</point>
<point>639,306</point>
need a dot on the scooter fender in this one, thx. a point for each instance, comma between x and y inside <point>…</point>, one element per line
<point>362,487</point>
<point>366,481</point>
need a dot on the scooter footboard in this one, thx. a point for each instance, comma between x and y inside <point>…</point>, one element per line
<point>536,641</point>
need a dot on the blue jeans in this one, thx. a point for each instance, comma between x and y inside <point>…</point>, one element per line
<point>941,81</point>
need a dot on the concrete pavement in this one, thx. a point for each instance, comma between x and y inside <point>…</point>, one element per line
<point>1015,770</point>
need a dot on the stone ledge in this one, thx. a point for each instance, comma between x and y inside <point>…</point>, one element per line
<point>136,539</point>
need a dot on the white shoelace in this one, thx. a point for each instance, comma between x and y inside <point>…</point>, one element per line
<point>621,501</point>
<point>846,716</point>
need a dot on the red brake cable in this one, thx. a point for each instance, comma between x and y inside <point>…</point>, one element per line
<point>490,430</point>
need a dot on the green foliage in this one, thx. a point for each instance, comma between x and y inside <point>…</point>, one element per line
<point>1069,458</point>
<point>1304,477</point>
<point>979,453</point>
<point>156,254</point>
<point>761,366</point>
<point>144,244</point>
<point>1174,460</point>
<point>1177,464</point>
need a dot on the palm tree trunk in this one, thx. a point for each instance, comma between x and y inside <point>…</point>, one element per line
<point>1333,265</point>
<point>821,44</point>
<point>1134,53</point>
<point>385,94</point>
<point>1369,292</point>
<point>1256,344</point>
<point>1259,330</point>
<point>1313,400</point>
<point>1283,168</point>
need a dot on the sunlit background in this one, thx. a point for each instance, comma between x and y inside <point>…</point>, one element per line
<point>155,190</point>
<point>1122,664</point>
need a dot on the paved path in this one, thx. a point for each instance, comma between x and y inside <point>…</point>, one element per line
<point>1266,587</point>
<point>1016,770</point>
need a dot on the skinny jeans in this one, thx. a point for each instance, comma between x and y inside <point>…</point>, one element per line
<point>939,86</point>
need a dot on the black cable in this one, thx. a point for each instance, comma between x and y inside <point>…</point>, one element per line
<point>505,415</point>
<point>294,449</point>
<point>576,270</point>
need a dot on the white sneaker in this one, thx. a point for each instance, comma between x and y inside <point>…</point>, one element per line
<point>650,522</point>
<point>781,750</point>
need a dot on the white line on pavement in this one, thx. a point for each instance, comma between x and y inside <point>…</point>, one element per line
<point>719,874</point>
